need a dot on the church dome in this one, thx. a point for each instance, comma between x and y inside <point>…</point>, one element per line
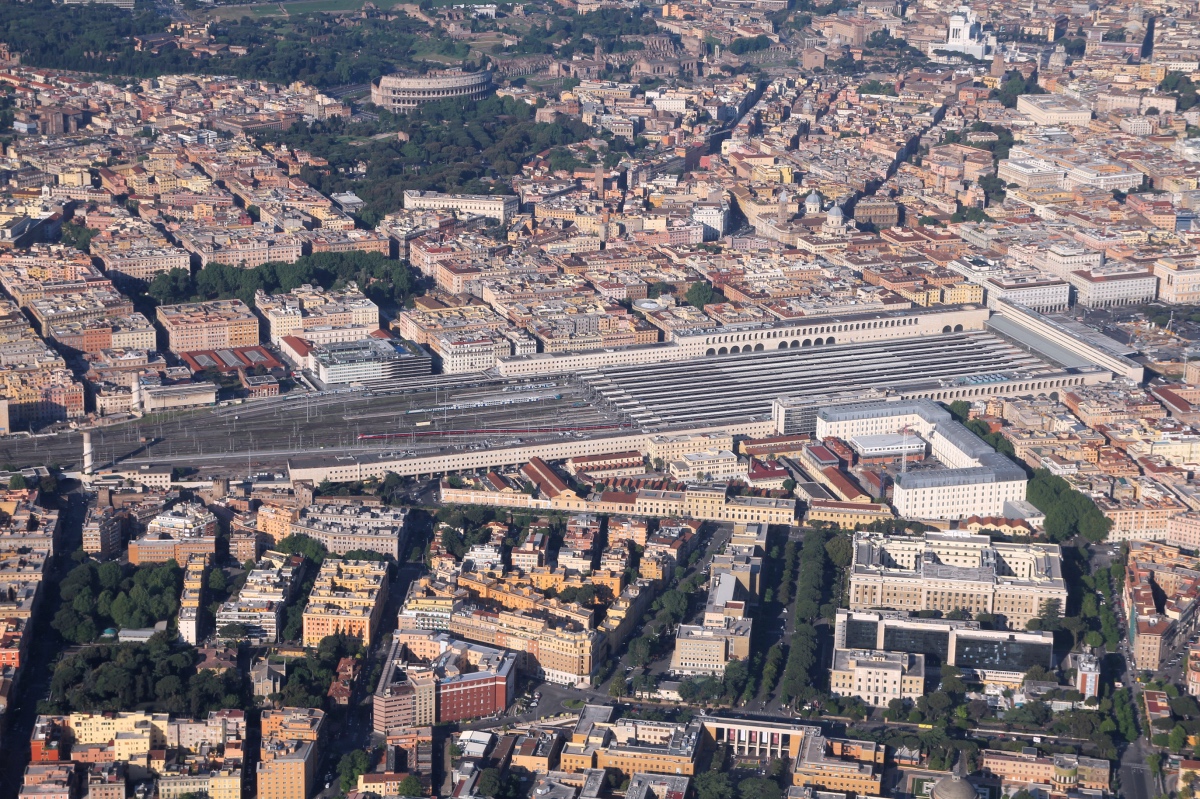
<point>952,787</point>
<point>836,212</point>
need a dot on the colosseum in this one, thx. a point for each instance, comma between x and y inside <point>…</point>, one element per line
<point>400,92</point>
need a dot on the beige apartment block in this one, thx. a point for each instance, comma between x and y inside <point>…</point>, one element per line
<point>347,598</point>
<point>287,769</point>
<point>673,447</point>
<point>208,325</point>
<point>1178,279</point>
<point>318,315</point>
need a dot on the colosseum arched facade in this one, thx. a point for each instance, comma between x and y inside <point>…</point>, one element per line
<point>399,92</point>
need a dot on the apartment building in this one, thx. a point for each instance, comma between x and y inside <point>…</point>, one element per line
<point>347,597</point>
<point>214,325</point>
<point>176,534</point>
<point>286,769</point>
<point>58,310</point>
<point>321,316</point>
<point>103,532</point>
<point>557,651</point>
<point>708,465</point>
<point>346,528</point>
<point>293,723</point>
<point>132,332</point>
<point>1058,774</point>
<point>839,765</point>
<point>195,574</point>
<point>1161,591</point>
<point>260,604</point>
<point>631,746</point>
<point>956,571</point>
<point>429,605</point>
<point>1178,279</point>
<point>466,680</point>
<point>1054,109</point>
<point>142,262</point>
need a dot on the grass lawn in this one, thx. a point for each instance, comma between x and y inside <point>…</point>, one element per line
<point>573,704</point>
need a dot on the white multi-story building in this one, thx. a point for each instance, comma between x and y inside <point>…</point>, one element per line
<point>501,207</point>
<point>318,315</point>
<point>1103,175</point>
<point>1054,109</point>
<point>1031,289</point>
<point>977,481</point>
<point>714,217</point>
<point>877,677</point>
<point>954,571</point>
<point>1030,173</point>
<point>1063,259</point>
<point>368,360</point>
<point>1113,284</point>
<point>1178,280</point>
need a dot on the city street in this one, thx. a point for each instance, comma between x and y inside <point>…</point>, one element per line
<point>36,674</point>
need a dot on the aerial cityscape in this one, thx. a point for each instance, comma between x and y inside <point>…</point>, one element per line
<point>599,399</point>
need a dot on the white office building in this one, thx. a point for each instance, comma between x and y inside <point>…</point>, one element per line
<point>977,480</point>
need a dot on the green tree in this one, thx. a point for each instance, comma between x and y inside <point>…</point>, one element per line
<point>411,786</point>
<point>490,782</point>
<point>759,788</point>
<point>840,551</point>
<point>640,651</point>
<point>17,482</point>
<point>352,765</point>
<point>700,294</point>
<point>713,785</point>
<point>234,630</point>
<point>303,545</point>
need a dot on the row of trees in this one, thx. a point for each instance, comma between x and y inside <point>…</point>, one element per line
<point>565,34</point>
<point>799,678</point>
<point>97,596</point>
<point>315,551</point>
<point>1068,512</point>
<point>385,281</point>
<point>464,527</point>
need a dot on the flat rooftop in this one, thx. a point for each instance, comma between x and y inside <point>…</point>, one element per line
<point>740,388</point>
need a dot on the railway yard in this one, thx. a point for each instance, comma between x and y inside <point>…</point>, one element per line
<point>442,414</point>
